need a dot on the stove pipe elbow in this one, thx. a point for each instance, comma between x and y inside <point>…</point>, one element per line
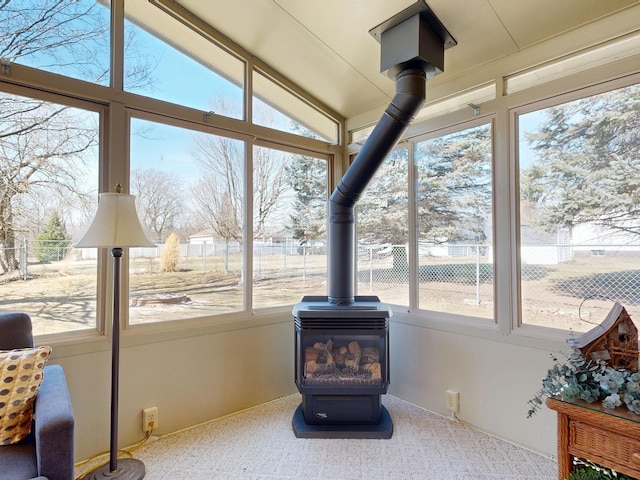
<point>410,95</point>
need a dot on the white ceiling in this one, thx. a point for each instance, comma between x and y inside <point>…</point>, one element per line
<point>325,47</point>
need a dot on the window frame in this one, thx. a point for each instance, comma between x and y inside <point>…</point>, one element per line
<point>518,327</point>
<point>477,121</point>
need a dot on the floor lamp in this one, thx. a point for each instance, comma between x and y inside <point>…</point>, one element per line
<point>116,225</point>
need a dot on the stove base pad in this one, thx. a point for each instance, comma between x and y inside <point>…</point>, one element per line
<point>381,430</point>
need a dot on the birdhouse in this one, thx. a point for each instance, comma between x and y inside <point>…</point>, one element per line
<point>615,340</point>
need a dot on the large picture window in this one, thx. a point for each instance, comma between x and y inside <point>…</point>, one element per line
<point>454,197</point>
<point>190,195</point>
<point>579,180</point>
<point>289,227</point>
<point>276,107</point>
<point>48,195</point>
<point>165,59</point>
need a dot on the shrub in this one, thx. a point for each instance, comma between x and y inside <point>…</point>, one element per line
<point>169,258</point>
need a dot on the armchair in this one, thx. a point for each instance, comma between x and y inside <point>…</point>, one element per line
<point>48,452</point>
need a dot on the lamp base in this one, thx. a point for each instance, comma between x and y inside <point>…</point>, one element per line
<point>128,469</point>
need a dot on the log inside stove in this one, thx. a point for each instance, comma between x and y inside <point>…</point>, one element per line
<point>342,365</point>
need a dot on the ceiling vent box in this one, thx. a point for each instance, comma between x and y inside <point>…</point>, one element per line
<point>414,35</point>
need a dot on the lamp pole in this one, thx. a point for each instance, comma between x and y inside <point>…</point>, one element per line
<point>115,357</point>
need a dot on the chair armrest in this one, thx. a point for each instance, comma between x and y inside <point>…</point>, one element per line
<point>53,426</point>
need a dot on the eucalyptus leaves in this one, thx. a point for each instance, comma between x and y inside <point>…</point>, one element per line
<point>589,380</point>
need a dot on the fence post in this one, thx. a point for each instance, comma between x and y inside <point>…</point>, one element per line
<point>370,268</point>
<point>226,255</point>
<point>283,249</point>
<point>205,256</point>
<point>23,260</point>
<point>304,264</point>
<point>477,274</point>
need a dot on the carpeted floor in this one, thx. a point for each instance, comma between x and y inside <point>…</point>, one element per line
<point>259,444</point>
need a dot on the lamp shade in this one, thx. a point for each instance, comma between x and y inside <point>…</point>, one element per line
<point>116,224</point>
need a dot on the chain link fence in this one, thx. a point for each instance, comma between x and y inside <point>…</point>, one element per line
<point>555,278</point>
<point>225,256</point>
<point>37,252</point>
<point>448,275</point>
<point>574,286</point>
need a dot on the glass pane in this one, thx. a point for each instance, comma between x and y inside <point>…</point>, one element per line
<point>189,189</point>
<point>579,217</point>
<point>586,60</point>
<point>383,212</point>
<point>455,223</point>
<point>276,107</point>
<point>180,66</point>
<point>289,229</point>
<point>69,37</point>
<point>48,196</point>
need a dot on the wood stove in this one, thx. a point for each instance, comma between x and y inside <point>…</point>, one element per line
<point>342,368</point>
<point>342,340</point>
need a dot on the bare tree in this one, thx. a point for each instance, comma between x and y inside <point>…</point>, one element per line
<point>269,183</point>
<point>68,37</point>
<point>159,200</point>
<point>41,144</point>
<point>218,195</point>
<point>58,35</point>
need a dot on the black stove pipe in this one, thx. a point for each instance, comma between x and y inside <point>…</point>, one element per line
<point>412,49</point>
<point>409,98</point>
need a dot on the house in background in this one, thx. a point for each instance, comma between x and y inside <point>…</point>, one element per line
<point>544,248</point>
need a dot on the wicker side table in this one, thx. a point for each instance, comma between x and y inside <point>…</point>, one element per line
<point>610,438</point>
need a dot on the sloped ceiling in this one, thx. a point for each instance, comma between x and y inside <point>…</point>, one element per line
<point>325,46</point>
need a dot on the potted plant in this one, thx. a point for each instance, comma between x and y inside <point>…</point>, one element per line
<point>578,378</point>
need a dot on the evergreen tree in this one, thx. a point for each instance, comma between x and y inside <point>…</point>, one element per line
<point>384,206</point>
<point>454,186</point>
<point>307,177</point>
<point>53,241</point>
<point>587,166</point>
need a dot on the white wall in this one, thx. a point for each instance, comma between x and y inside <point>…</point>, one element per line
<point>201,374</point>
<point>495,380</point>
<point>191,376</point>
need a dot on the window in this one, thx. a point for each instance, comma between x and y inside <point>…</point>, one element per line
<point>454,222</point>
<point>48,196</point>
<point>68,37</point>
<point>276,107</point>
<point>190,196</point>
<point>579,216</point>
<point>624,47</point>
<point>289,227</point>
<point>383,214</point>
<point>156,64</point>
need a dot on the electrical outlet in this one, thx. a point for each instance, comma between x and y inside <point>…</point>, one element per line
<point>149,419</point>
<point>453,401</point>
